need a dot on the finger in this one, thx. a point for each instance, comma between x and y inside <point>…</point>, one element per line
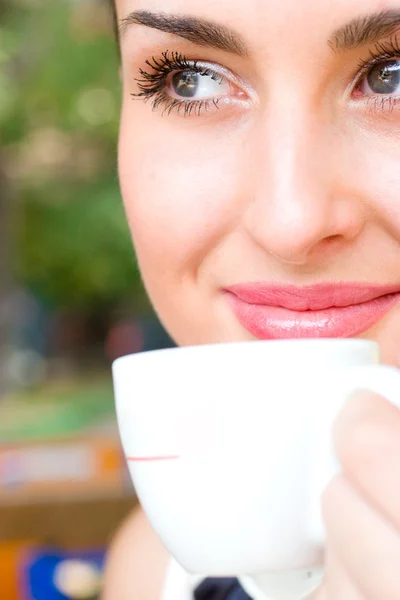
<point>368,546</point>
<point>367,441</point>
<point>337,582</point>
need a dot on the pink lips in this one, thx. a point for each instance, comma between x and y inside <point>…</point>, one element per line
<point>323,310</point>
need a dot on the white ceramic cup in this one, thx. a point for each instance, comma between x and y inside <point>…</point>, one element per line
<point>229,446</point>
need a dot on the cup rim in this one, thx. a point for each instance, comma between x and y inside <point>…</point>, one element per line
<point>217,347</point>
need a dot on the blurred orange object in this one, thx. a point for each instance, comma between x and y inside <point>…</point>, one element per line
<point>91,465</point>
<point>10,559</point>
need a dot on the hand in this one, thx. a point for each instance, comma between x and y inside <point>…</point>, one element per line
<point>361,507</point>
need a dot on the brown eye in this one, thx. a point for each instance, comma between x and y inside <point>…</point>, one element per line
<point>383,78</point>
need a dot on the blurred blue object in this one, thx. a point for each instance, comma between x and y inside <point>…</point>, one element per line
<point>43,579</point>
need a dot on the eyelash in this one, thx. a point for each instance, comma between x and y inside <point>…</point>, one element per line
<point>381,52</point>
<point>152,84</point>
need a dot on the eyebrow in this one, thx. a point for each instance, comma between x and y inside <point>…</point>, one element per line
<point>365,30</point>
<point>359,32</point>
<point>199,31</point>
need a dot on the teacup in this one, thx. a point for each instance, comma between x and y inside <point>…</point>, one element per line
<point>230,449</point>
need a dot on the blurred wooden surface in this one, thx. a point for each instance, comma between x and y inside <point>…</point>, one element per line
<point>82,523</point>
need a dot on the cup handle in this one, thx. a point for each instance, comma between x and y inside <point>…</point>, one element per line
<point>379,379</point>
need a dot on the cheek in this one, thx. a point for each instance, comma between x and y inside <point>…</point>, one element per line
<point>179,191</point>
<point>377,165</point>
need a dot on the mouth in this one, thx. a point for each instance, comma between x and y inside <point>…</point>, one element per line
<point>324,310</point>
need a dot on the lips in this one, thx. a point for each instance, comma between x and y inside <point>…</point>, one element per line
<point>324,310</point>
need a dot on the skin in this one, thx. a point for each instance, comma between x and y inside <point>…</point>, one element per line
<point>294,179</point>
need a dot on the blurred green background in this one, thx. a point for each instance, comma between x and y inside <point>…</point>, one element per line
<point>71,299</point>
<point>67,274</point>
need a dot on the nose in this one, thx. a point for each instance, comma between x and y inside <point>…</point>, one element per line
<point>301,202</point>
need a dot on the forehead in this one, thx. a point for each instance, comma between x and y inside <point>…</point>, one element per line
<point>264,20</point>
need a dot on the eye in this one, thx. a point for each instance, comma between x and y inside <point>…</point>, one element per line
<point>195,85</point>
<point>175,83</point>
<point>383,78</point>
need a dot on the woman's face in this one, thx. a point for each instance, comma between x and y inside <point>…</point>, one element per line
<point>259,163</point>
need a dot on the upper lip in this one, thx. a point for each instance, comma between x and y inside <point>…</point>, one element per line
<point>312,297</point>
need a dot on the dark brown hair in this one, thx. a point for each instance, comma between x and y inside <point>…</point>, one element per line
<point>113,10</point>
<point>114,15</point>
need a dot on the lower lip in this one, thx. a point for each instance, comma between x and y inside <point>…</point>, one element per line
<point>272,322</point>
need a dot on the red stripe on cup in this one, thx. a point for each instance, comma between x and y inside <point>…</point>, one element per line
<point>150,458</point>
